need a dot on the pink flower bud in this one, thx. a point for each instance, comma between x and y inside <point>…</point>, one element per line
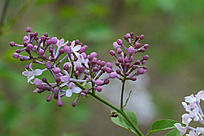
<point>99,88</point>
<point>36,34</point>
<point>48,65</point>
<point>12,43</point>
<point>93,54</point>
<point>133,78</point>
<point>115,45</point>
<point>28,29</point>
<point>137,45</point>
<point>146,46</point>
<point>66,67</point>
<point>113,75</point>
<point>140,71</point>
<point>58,80</point>
<point>120,42</point>
<point>102,63</point>
<point>108,64</point>
<point>98,82</point>
<point>146,57</point>
<point>54,40</point>
<point>106,81</point>
<point>59,103</point>
<point>134,67</point>
<point>119,51</point>
<point>61,51</point>
<point>41,52</point>
<point>127,36</point>
<point>108,70</point>
<point>67,49</point>
<point>131,50</point>
<point>137,62</point>
<point>16,55</point>
<point>49,97</point>
<point>120,60</point>
<point>49,42</point>
<point>126,59</point>
<point>112,53</point>
<point>56,70</point>
<point>29,46</point>
<point>43,38</point>
<point>141,36</point>
<point>46,34</point>
<point>25,38</point>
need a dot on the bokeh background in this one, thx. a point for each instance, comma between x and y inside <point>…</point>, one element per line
<point>173,28</point>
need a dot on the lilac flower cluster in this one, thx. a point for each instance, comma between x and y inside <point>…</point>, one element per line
<point>195,113</point>
<point>128,67</point>
<point>71,69</point>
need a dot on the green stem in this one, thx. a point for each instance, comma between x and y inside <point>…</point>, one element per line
<point>122,95</point>
<point>138,132</point>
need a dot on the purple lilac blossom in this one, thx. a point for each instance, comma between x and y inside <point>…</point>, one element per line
<point>66,62</point>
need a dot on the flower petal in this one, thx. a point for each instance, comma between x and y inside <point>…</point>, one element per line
<point>37,81</point>
<point>72,44</point>
<point>27,73</point>
<point>190,99</point>
<point>68,63</point>
<point>76,48</point>
<point>63,84</point>
<point>76,90</point>
<point>186,119</point>
<point>200,95</point>
<point>30,78</point>
<point>68,92</point>
<point>37,72</point>
<point>180,128</point>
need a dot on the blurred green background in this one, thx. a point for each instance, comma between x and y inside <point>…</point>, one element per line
<point>173,28</point>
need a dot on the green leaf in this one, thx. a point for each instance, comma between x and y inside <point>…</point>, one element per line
<point>173,132</point>
<point>40,2</point>
<point>161,125</point>
<point>122,122</point>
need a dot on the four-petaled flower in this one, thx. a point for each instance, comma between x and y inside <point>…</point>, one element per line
<point>72,89</point>
<point>31,74</point>
<point>65,79</point>
<point>75,49</point>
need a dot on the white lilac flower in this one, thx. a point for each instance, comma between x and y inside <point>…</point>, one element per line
<point>186,119</point>
<point>60,43</point>
<point>65,79</point>
<point>72,89</point>
<point>75,49</point>
<point>81,60</point>
<point>195,113</point>
<point>192,133</point>
<point>31,74</point>
<point>180,128</point>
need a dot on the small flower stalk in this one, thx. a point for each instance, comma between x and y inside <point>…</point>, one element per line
<point>194,113</point>
<point>71,70</point>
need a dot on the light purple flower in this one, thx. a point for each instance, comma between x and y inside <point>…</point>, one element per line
<point>31,74</point>
<point>65,79</point>
<point>180,128</point>
<point>72,89</point>
<point>75,48</point>
<point>194,113</point>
